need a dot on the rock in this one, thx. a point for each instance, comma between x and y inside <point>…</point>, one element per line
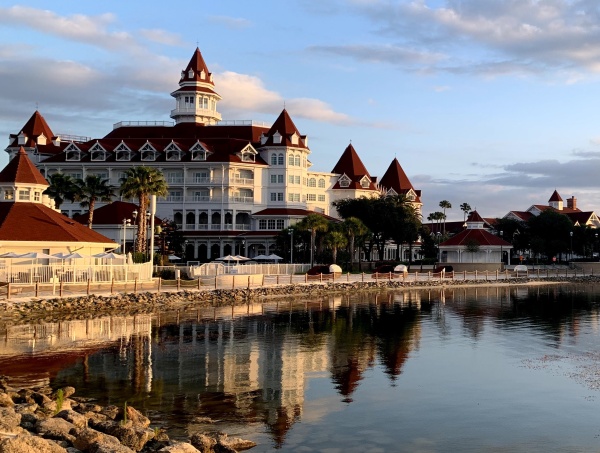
<point>68,391</point>
<point>129,435</point>
<point>236,443</point>
<point>75,418</point>
<point>56,428</point>
<point>110,411</point>
<point>136,417</point>
<point>88,437</point>
<point>9,421</point>
<point>203,443</point>
<point>6,400</point>
<point>94,419</point>
<point>26,408</point>
<point>110,448</point>
<point>26,443</point>
<point>179,447</point>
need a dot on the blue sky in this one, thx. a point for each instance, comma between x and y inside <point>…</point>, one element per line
<point>489,102</point>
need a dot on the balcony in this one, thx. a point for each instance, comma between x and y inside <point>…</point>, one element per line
<point>201,180</point>
<point>174,199</point>
<point>242,199</point>
<point>174,179</point>
<point>242,181</point>
<point>196,112</point>
<point>202,199</point>
<point>225,227</point>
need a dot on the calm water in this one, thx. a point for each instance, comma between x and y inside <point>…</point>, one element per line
<point>462,370</point>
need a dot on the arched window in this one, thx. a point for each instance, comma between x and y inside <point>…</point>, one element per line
<point>312,182</point>
<point>273,159</point>
<point>280,159</point>
<point>321,183</point>
<point>297,161</point>
<point>291,161</point>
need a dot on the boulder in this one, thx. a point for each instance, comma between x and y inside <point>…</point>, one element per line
<point>75,418</point>
<point>26,443</point>
<point>128,435</point>
<point>56,428</point>
<point>179,447</point>
<point>89,437</point>
<point>6,400</point>
<point>203,443</point>
<point>9,421</point>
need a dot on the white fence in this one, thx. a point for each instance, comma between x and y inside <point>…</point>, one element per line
<point>212,269</point>
<point>71,273</point>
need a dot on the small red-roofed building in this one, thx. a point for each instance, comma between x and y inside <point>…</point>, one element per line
<point>474,245</point>
<point>28,220</point>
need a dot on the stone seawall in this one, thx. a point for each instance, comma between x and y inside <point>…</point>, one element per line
<point>131,304</point>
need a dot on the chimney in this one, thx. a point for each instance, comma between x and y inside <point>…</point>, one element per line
<point>572,203</point>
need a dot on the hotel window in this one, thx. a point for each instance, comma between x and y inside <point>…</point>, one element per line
<point>262,224</point>
<point>273,159</point>
<point>279,196</point>
<point>364,183</point>
<point>23,195</point>
<point>291,179</point>
<point>291,161</point>
<point>279,179</point>
<point>280,159</point>
<point>297,161</point>
<point>322,183</point>
<point>273,196</point>
<point>36,196</point>
<point>280,224</point>
<point>312,182</point>
<point>321,198</point>
<point>311,197</point>
<point>296,179</point>
<point>273,179</point>
<point>293,197</point>
<point>9,195</point>
<point>271,224</point>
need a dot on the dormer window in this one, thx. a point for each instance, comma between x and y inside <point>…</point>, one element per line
<point>24,195</point>
<point>97,152</point>
<point>9,194</point>
<point>294,139</point>
<point>172,152</point>
<point>274,159</point>
<point>198,152</point>
<point>277,138</point>
<point>344,181</point>
<point>42,140</point>
<point>191,74</point>
<point>148,153</point>
<point>202,74</point>
<point>122,152</point>
<point>263,138</point>
<point>21,139</point>
<point>72,153</point>
<point>248,154</point>
<point>365,182</point>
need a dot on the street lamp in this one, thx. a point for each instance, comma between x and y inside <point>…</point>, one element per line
<point>291,233</point>
<point>571,234</point>
<point>501,251</point>
<point>439,238</point>
<point>126,223</point>
<point>134,214</point>
<point>596,235</point>
<point>148,251</point>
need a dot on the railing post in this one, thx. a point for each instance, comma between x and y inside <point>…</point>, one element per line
<point>347,276</point>
<point>389,276</point>
<point>216,281</point>
<point>37,288</point>
<point>88,286</point>
<point>8,285</point>
<point>277,277</point>
<point>464,275</point>
<point>199,283</point>
<point>362,276</point>
<point>321,278</point>
<point>496,274</point>
<point>178,284</point>
<point>305,278</point>
<point>135,286</point>
<point>160,283</point>
<point>112,285</point>
<point>60,289</point>
<point>475,274</point>
<point>263,280</point>
<point>248,281</point>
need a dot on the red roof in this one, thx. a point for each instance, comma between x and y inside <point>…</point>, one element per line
<point>350,165</point>
<point>20,169</point>
<point>112,214</point>
<point>289,212</point>
<point>555,197</point>
<point>286,128</point>
<point>34,127</point>
<point>478,235</point>
<point>23,221</point>
<point>474,217</point>
<point>197,65</point>
<point>395,178</point>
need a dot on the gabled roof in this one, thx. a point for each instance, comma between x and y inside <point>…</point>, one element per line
<point>21,170</point>
<point>555,197</point>
<point>36,222</point>
<point>111,214</point>
<point>395,178</point>
<point>33,128</point>
<point>479,235</point>
<point>285,127</point>
<point>475,217</point>
<point>350,165</point>
<point>197,65</point>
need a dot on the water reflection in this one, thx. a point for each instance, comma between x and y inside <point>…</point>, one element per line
<point>250,367</point>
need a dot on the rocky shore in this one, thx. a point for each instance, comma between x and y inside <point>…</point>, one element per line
<point>41,420</point>
<point>131,304</point>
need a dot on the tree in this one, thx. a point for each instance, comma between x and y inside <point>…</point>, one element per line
<point>445,204</point>
<point>354,228</point>
<point>62,188</point>
<point>465,208</point>
<point>553,231</point>
<point>92,189</point>
<point>472,246</point>
<point>335,239</point>
<point>140,183</point>
<point>436,216</point>
<point>314,223</point>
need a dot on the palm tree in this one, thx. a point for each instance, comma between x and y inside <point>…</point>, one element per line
<point>335,239</point>
<point>92,189</point>
<point>354,228</point>
<point>466,208</point>
<point>62,188</point>
<point>445,204</point>
<point>313,223</point>
<point>140,183</point>
<point>436,216</point>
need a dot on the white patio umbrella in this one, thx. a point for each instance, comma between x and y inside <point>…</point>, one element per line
<point>10,255</point>
<point>109,256</point>
<point>173,257</point>
<point>228,258</point>
<point>61,255</point>
<point>274,257</point>
<point>260,257</point>
<point>242,258</point>
<point>75,256</point>
<point>35,256</point>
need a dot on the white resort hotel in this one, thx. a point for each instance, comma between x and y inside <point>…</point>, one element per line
<point>233,185</point>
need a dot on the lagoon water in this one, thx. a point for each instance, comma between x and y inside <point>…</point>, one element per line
<point>500,369</point>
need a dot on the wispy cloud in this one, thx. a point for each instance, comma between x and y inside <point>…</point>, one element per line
<point>233,23</point>
<point>162,37</point>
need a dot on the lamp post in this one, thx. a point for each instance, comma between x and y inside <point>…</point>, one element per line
<point>291,233</point>
<point>148,253</point>
<point>243,253</point>
<point>571,234</point>
<point>126,223</point>
<point>596,244</point>
<point>501,250</point>
<point>439,238</point>
<point>134,214</point>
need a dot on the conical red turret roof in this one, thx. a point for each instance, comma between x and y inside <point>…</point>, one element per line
<point>34,127</point>
<point>21,170</point>
<point>197,65</point>
<point>286,128</point>
<point>350,164</point>
<point>555,197</point>
<point>395,178</point>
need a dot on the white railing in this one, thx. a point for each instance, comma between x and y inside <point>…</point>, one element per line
<point>242,199</point>
<point>196,111</point>
<point>246,181</point>
<point>175,179</point>
<point>190,226</point>
<point>243,123</point>
<point>75,273</point>
<point>209,269</point>
<point>174,198</point>
<point>143,123</point>
<point>200,180</point>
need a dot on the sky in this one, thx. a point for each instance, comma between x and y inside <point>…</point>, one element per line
<point>487,102</point>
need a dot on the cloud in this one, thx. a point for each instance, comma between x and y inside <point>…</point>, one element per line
<point>162,37</point>
<point>233,23</point>
<point>482,37</point>
<point>245,93</point>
